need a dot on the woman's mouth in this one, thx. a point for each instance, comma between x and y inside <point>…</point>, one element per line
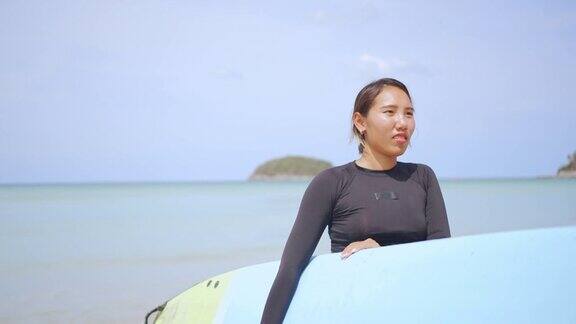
<point>400,138</point>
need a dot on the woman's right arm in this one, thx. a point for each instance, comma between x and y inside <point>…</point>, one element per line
<point>313,217</point>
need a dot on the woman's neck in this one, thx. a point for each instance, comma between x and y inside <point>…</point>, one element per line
<point>372,161</point>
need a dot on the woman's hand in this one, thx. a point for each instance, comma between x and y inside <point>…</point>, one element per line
<point>357,246</point>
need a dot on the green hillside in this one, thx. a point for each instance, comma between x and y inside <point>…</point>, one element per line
<point>570,168</point>
<point>289,167</point>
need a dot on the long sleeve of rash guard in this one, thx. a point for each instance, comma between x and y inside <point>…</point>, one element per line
<point>436,218</point>
<point>312,218</point>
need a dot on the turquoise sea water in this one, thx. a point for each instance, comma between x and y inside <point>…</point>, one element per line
<point>92,253</point>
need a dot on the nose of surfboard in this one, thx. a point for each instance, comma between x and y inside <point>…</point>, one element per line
<point>198,304</point>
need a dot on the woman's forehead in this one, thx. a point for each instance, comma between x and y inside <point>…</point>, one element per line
<point>392,96</point>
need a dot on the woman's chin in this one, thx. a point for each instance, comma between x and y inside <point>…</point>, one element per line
<point>394,153</point>
<point>399,151</point>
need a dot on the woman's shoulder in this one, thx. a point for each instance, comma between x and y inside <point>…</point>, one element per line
<point>334,176</point>
<point>334,172</point>
<point>419,172</point>
<point>418,167</point>
<point>338,169</point>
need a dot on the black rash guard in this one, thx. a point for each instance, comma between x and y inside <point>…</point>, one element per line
<point>400,205</point>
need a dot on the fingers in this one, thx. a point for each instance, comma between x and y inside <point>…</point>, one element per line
<point>357,246</point>
<point>348,251</point>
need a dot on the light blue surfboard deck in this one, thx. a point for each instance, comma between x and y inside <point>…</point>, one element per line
<point>526,276</point>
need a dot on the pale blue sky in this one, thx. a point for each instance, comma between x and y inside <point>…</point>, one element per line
<point>204,90</point>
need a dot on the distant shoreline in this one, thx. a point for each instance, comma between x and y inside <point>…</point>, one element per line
<point>278,179</point>
<point>566,174</point>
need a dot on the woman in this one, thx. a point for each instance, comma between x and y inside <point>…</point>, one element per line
<point>370,202</point>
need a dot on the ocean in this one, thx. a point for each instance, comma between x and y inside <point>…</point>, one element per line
<point>111,252</point>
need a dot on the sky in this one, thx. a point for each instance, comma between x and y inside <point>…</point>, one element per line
<point>130,91</point>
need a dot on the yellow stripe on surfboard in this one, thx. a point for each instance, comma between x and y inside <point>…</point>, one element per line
<point>198,304</point>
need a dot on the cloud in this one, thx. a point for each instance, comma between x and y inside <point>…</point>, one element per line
<point>394,65</point>
<point>319,16</point>
<point>385,66</point>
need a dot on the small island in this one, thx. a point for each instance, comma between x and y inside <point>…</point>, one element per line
<point>289,168</point>
<point>568,170</point>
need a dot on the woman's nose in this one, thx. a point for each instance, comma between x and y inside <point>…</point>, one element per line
<point>401,122</point>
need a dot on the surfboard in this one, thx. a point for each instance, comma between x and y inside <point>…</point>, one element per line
<point>526,276</point>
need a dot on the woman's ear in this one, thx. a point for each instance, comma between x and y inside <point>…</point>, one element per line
<point>359,122</point>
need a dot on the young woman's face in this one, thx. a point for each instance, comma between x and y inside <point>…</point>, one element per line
<point>390,122</point>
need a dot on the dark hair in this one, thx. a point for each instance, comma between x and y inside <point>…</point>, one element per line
<point>365,99</point>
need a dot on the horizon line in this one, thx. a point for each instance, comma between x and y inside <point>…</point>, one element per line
<point>184,182</point>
